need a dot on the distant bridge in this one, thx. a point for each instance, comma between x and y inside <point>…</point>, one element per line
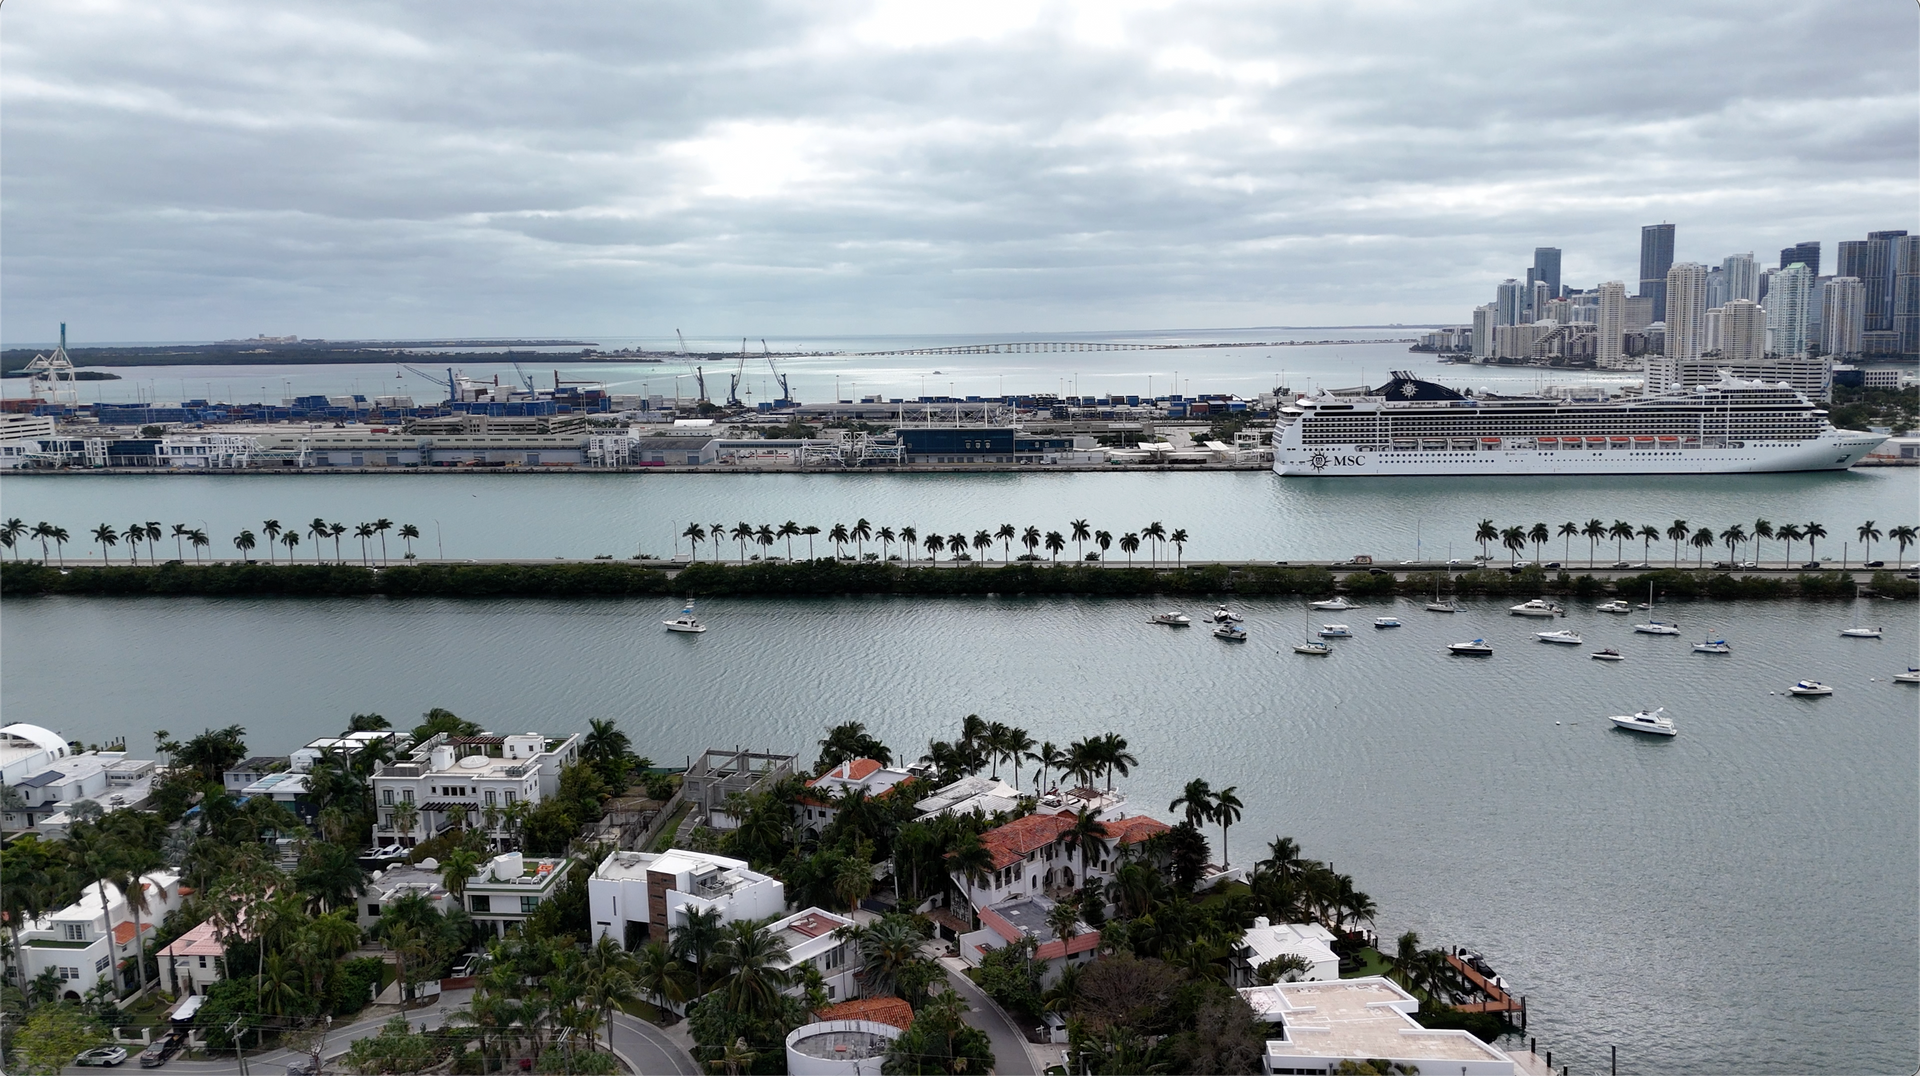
<point>1032,347</point>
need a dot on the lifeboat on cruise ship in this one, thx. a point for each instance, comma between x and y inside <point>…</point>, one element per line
<point>1668,440</point>
<point>1549,442</point>
<point>1490,441</point>
<point>1596,442</point>
<point>1620,442</point>
<point>1638,441</point>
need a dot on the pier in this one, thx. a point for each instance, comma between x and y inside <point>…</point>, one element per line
<point>1498,999</point>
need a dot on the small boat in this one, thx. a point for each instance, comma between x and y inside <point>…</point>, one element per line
<point>1570,638</point>
<point>1317,649</point>
<point>1609,654</point>
<point>1809,687</point>
<point>1443,606</point>
<point>1657,627</point>
<point>1651,721</point>
<point>1536,607</point>
<point>1614,606</point>
<point>1335,631</point>
<point>1712,646</point>
<point>686,622</point>
<point>1224,615</point>
<point>1386,622</point>
<point>1232,633</point>
<point>1478,648</point>
<point>1334,604</point>
<point>1911,676</point>
<point>1860,633</point>
<point>1172,619</point>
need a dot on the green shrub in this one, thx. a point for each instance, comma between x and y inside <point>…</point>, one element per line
<point>1895,585</point>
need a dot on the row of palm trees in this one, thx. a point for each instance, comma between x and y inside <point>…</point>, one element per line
<point>1517,538</point>
<point>15,532</point>
<point>981,542</point>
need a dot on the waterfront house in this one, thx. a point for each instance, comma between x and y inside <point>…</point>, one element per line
<point>1026,918</point>
<point>1315,1027</point>
<point>510,887</point>
<point>1034,855</point>
<point>94,939</point>
<point>717,774</point>
<point>815,810</point>
<point>476,780</point>
<point>246,772</point>
<point>637,897</point>
<point>973,794</point>
<point>1266,941</point>
<point>346,746</point>
<point>25,749</point>
<point>48,792</point>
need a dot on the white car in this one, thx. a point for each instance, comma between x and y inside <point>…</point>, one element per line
<point>102,1055</point>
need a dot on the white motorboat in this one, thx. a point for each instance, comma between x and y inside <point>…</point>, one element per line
<point>1911,676</point>
<point>1609,654</point>
<point>1478,648</point>
<point>1657,627</point>
<point>1712,646</point>
<point>1334,604</point>
<point>1172,619</point>
<point>1860,633</point>
<point>1386,622</point>
<point>1650,721</point>
<point>1536,607</point>
<point>686,622</point>
<point>1224,615</point>
<point>1614,606</point>
<point>1809,687</point>
<point>1316,649</point>
<point>1570,638</point>
<point>1232,633</point>
<point>1444,606</point>
<point>1335,631</point>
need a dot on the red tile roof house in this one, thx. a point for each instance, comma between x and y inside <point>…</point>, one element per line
<point>1026,917</point>
<point>1032,856</point>
<point>815,811</point>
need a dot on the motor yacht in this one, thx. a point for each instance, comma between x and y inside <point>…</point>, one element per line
<point>1334,604</point>
<point>1712,646</point>
<point>1911,676</point>
<point>1809,687</point>
<point>1570,638</point>
<point>1478,648</point>
<point>1536,607</point>
<point>1657,627</point>
<point>1224,615</point>
<point>1614,606</point>
<point>1335,631</point>
<point>686,622</point>
<point>1172,619</point>
<point>1860,633</point>
<point>1650,721</point>
<point>1316,649</point>
<point>1386,622</point>
<point>1232,633</point>
<point>1609,654</point>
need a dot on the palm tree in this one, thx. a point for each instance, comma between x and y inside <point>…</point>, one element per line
<point>290,539</point>
<point>957,545</point>
<point>1905,537</point>
<point>197,538</point>
<point>408,532</point>
<point>743,533</point>
<point>862,533</point>
<point>1128,543</point>
<point>1703,541</point>
<point>765,536</point>
<point>716,533</point>
<point>1593,532</point>
<point>1226,811</point>
<point>134,534</point>
<point>381,526</point>
<point>1813,532</point>
<point>604,741</point>
<point>908,536</point>
<point>60,539</point>
<point>363,532</point>
<point>810,530</point>
<point>405,817</point>
<point>1484,533</point>
<point>179,532</point>
<point>334,531</point>
<point>1869,534</point>
<point>1179,540</point>
<point>694,534</point>
<point>1115,756</point>
<point>1045,760</point>
<point>1567,532</point>
<point>1078,528</point>
<point>982,541</point>
<point>751,962</point>
<point>271,528</point>
<point>1156,532</point>
<point>1539,535</point>
<point>695,940</point>
<point>1514,539</point>
<point>1031,539</point>
<point>318,531</point>
<point>789,530</point>
<point>11,533</point>
<point>610,980</point>
<point>105,535</point>
<point>1649,534</point>
<point>1196,801</point>
<point>1005,535</point>
<point>1789,533</point>
<point>840,537</point>
<point>1678,532</point>
<point>1015,745</point>
<point>1761,529</point>
<point>661,977</point>
<point>1619,532</point>
<point>1733,536</point>
<point>886,536</point>
<point>934,544</point>
<point>1055,543</point>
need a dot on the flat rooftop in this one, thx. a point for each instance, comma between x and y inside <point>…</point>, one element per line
<point>1359,1018</point>
<point>1028,916</point>
<point>842,1045</point>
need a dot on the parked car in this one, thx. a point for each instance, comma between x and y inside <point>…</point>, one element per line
<point>1551,564</point>
<point>1876,564</point>
<point>1621,564</point>
<point>1812,566</point>
<point>102,1055</point>
<point>162,1051</point>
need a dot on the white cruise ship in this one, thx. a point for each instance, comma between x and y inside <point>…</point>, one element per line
<point>1414,427</point>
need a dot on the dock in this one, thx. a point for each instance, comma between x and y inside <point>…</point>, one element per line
<point>1498,999</point>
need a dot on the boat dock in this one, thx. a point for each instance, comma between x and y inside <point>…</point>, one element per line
<point>1498,999</point>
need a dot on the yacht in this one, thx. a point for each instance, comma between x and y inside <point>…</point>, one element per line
<point>1232,633</point>
<point>1335,631</point>
<point>1810,687</point>
<point>1172,619</point>
<point>1609,654</point>
<point>1614,606</point>
<point>686,622</point>
<point>1536,607</point>
<point>1334,604</point>
<point>1651,721</point>
<point>1444,605</point>
<point>1570,638</point>
<point>1478,648</point>
<point>1712,646</point>
<point>1224,615</point>
<point>1657,627</point>
<point>1911,676</point>
<point>1386,622</point>
<point>1860,633</point>
<point>1317,649</point>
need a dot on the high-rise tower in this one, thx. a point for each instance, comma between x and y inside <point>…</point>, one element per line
<point>1686,312</point>
<point>1656,257</point>
<point>1546,266</point>
<point>1807,254</point>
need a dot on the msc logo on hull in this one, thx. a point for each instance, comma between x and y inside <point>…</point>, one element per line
<point>1321,461</point>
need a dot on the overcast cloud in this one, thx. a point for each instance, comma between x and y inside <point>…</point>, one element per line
<point>214,168</point>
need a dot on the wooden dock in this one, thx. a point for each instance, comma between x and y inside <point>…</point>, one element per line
<point>1498,1000</point>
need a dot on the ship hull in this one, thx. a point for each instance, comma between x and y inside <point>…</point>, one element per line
<point>1834,451</point>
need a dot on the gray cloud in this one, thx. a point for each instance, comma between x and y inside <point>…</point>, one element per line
<point>217,167</point>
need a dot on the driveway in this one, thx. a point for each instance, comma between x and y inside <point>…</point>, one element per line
<point>1009,1045</point>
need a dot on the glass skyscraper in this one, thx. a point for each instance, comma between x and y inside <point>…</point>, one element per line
<point>1656,257</point>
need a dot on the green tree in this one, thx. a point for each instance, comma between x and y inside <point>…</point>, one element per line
<point>751,973</point>
<point>1055,543</point>
<point>661,977</point>
<point>437,721</point>
<point>104,534</point>
<point>1813,532</point>
<point>408,532</point>
<point>244,542</point>
<point>1226,811</point>
<point>1868,534</point>
<point>1484,533</point>
<point>271,528</point>
<point>1677,533</point>
<point>939,1041</point>
<point>850,740</point>
<point>1080,533</point>
<point>53,1036</point>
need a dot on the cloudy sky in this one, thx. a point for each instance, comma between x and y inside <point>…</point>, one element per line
<point>204,169</point>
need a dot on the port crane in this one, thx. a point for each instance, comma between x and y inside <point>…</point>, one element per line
<point>699,375</point>
<point>452,393</point>
<point>739,374</point>
<point>786,394</point>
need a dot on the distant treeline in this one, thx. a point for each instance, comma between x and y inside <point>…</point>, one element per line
<point>827,578</point>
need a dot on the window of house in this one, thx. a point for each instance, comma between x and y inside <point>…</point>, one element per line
<point>406,795</point>
<point>489,797</point>
<point>509,799</point>
<point>101,964</point>
<point>203,961</point>
<point>76,932</point>
<point>372,909</point>
<point>528,904</point>
<point>386,796</point>
<point>480,904</point>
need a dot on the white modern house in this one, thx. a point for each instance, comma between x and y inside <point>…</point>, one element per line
<point>1267,940</point>
<point>92,940</point>
<point>386,886</point>
<point>47,793</point>
<point>26,748</point>
<point>637,897</point>
<point>474,777</point>
<point>972,794</point>
<point>510,887</point>
<point>1316,1026</point>
<point>815,810</point>
<point>346,746</point>
<point>811,938</point>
